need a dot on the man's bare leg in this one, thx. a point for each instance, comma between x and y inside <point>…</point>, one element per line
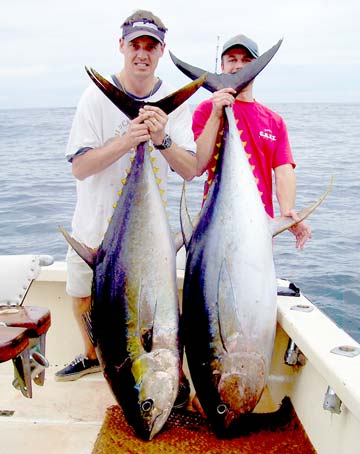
<point>86,363</point>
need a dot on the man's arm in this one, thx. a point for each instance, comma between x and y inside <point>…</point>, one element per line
<point>285,181</point>
<point>180,160</point>
<point>207,139</point>
<point>97,159</point>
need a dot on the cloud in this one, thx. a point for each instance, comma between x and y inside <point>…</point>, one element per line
<point>55,40</point>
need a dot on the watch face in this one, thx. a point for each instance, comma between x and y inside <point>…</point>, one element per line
<point>166,143</point>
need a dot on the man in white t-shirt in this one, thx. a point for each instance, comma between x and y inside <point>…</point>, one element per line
<point>101,144</point>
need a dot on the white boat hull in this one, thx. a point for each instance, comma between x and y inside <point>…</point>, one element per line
<point>66,417</point>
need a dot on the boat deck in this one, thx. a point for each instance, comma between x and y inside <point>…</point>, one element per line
<point>82,417</point>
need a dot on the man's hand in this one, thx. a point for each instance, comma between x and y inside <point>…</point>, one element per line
<point>220,99</point>
<point>137,133</point>
<point>301,231</point>
<point>155,120</point>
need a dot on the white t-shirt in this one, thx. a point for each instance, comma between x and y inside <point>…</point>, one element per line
<point>97,120</point>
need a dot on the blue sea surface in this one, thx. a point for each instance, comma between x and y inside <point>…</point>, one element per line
<point>37,193</point>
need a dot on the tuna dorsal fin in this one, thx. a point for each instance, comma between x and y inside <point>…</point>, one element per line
<point>131,106</point>
<point>86,253</point>
<point>280,224</point>
<point>229,321</point>
<point>86,318</point>
<point>237,81</point>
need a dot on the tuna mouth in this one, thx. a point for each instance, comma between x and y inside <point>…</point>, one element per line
<point>156,428</point>
<point>149,428</point>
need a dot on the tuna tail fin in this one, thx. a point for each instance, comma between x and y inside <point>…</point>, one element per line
<point>280,224</point>
<point>86,253</point>
<point>131,106</point>
<point>236,81</point>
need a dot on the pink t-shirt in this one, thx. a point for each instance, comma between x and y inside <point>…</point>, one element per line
<point>265,140</point>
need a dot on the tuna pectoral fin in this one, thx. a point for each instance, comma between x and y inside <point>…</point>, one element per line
<point>238,80</point>
<point>86,253</point>
<point>229,320</point>
<point>280,224</point>
<point>131,107</point>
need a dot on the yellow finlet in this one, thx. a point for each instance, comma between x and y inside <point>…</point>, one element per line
<point>123,181</point>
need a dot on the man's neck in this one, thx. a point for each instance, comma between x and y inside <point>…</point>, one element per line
<point>246,95</point>
<point>137,86</point>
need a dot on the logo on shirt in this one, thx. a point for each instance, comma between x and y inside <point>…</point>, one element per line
<point>267,134</point>
<point>122,127</point>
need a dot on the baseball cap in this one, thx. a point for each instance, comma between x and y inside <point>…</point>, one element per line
<point>143,27</point>
<point>242,41</point>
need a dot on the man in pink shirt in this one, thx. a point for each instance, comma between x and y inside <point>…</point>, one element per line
<point>262,131</point>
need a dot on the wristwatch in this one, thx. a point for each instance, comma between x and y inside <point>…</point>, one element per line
<point>166,143</point>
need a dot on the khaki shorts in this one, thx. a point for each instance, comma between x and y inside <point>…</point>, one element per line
<point>79,275</point>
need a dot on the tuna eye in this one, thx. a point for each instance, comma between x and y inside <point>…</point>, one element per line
<point>221,409</point>
<point>147,405</point>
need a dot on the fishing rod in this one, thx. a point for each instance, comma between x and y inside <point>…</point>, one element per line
<point>217,53</point>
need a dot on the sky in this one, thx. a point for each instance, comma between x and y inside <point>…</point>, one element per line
<point>46,44</point>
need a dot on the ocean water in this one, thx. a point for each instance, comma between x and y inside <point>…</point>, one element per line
<point>37,193</point>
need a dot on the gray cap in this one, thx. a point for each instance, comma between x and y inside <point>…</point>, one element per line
<point>241,41</point>
<point>143,27</point>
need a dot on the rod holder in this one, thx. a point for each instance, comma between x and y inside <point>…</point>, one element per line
<point>292,354</point>
<point>332,403</point>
